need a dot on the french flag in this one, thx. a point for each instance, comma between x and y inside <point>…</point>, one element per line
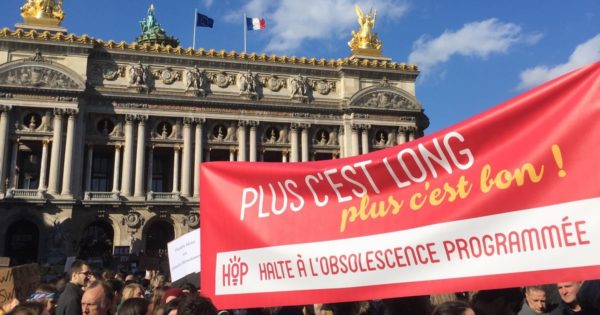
<point>255,24</point>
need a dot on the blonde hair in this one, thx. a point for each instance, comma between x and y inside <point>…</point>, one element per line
<point>128,291</point>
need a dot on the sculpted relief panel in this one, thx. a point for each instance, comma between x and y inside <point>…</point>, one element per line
<point>384,98</point>
<point>37,76</point>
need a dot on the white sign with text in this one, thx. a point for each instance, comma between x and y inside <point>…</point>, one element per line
<point>184,255</point>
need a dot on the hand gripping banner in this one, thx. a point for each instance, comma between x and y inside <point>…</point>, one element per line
<point>510,197</point>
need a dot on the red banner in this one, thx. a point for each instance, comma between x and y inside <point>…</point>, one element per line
<point>509,197</point>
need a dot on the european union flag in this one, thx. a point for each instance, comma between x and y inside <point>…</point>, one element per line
<point>204,21</point>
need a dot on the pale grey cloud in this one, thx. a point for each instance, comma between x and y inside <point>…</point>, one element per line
<point>479,39</point>
<point>585,53</point>
<point>208,3</point>
<point>291,22</point>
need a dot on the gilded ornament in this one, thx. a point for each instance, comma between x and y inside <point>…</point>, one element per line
<point>365,42</point>
<point>43,12</point>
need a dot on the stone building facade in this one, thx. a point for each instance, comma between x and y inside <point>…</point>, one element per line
<point>101,142</point>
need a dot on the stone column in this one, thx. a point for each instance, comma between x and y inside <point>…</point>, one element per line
<point>44,165</point>
<point>231,154</point>
<point>140,157</point>
<point>88,168</point>
<point>284,157</point>
<point>186,160</point>
<point>78,149</point>
<point>241,141</point>
<point>149,171</point>
<point>341,141</point>
<point>294,144</point>
<point>127,156</point>
<point>197,155</point>
<point>56,154</point>
<point>116,168</point>
<point>411,134</point>
<point>394,137</point>
<point>347,127</point>
<point>176,169</point>
<point>67,189</point>
<point>304,137</point>
<point>355,145</point>
<point>14,181</point>
<point>401,136</point>
<point>253,147</point>
<point>3,138</point>
<point>365,139</point>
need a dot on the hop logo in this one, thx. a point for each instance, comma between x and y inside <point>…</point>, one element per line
<point>234,272</point>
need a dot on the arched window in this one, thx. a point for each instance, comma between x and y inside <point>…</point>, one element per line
<point>21,242</point>
<point>158,234</point>
<point>97,241</point>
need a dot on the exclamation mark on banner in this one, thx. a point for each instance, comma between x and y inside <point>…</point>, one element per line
<point>559,160</point>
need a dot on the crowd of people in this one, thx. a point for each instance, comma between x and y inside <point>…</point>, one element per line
<point>91,292</point>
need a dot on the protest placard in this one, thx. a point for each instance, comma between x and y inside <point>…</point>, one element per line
<point>507,198</point>
<point>184,255</point>
<point>18,282</point>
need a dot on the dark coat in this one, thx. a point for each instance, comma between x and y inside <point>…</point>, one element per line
<point>69,302</point>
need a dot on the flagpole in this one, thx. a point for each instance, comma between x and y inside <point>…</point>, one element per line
<point>195,23</point>
<point>245,30</point>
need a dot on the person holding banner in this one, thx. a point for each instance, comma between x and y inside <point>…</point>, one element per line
<point>535,301</point>
<point>568,294</point>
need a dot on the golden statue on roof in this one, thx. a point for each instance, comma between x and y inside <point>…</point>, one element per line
<point>43,12</point>
<point>365,42</point>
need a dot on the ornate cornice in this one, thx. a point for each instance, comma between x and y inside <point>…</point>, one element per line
<point>211,53</point>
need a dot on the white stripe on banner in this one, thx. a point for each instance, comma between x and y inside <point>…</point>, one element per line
<point>528,240</point>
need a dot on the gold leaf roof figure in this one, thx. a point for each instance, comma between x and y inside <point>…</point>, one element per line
<point>42,12</point>
<point>365,42</point>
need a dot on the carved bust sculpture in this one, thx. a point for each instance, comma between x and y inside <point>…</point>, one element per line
<point>138,75</point>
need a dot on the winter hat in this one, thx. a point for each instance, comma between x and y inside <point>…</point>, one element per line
<point>172,292</point>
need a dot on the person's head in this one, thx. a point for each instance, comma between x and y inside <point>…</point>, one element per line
<point>188,288</point>
<point>498,301</point>
<point>453,308</point>
<point>536,298</point>
<point>196,304</point>
<point>568,292</point>
<point>28,308</point>
<point>47,295</point>
<point>117,287</point>
<point>157,297</point>
<point>172,293</point>
<point>134,306</point>
<point>171,307</point>
<point>131,278</point>
<point>94,276</point>
<point>407,305</point>
<point>158,281</point>
<point>79,273</point>
<point>108,274</point>
<point>132,290</point>
<point>589,296</point>
<point>97,299</point>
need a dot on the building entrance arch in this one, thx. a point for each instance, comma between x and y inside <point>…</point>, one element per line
<point>97,242</point>
<point>158,234</point>
<point>22,242</point>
